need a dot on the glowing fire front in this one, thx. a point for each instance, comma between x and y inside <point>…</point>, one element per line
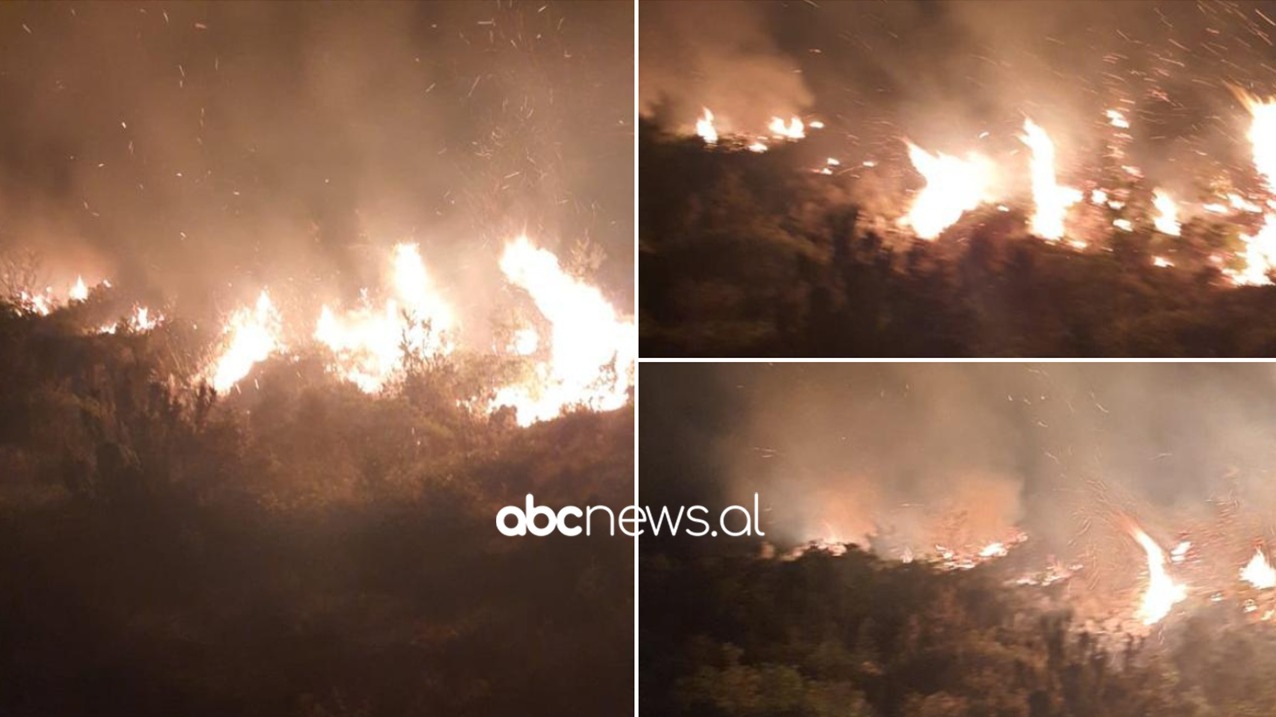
<point>1259,256</point>
<point>954,186</point>
<point>705,128</point>
<point>369,343</point>
<point>1051,201</point>
<point>1162,592</point>
<point>1258,572</point>
<point>590,351</point>
<point>252,335</point>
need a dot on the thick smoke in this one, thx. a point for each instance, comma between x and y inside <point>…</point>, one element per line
<point>910,455</point>
<point>962,76</point>
<point>717,55</point>
<point>199,152</point>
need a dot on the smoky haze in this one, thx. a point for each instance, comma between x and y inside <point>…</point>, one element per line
<point>945,73</point>
<point>200,151</point>
<point>908,455</point>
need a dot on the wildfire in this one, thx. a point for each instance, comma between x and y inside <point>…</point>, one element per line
<point>994,550</point>
<point>1162,592</point>
<point>1167,214</point>
<point>1051,200</point>
<point>954,186</point>
<point>705,128</point>
<point>369,343</point>
<point>1260,249</point>
<point>79,292</point>
<point>1259,572</point>
<point>252,336</point>
<point>590,350</point>
<point>793,129</point>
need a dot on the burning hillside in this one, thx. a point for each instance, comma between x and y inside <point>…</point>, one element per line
<point>1133,496</point>
<point>584,360</point>
<point>1083,138</point>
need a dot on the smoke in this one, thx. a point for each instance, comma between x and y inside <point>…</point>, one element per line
<point>911,455</point>
<point>718,55</point>
<point>962,76</point>
<point>199,152</point>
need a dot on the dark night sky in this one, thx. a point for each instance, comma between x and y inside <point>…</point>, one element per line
<point>198,151</point>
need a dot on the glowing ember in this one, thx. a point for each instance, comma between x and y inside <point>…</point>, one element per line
<point>591,353</point>
<point>758,146</point>
<point>1162,592</point>
<point>954,186</point>
<point>80,291</point>
<point>1098,196</point>
<point>1162,262</point>
<point>1167,214</point>
<point>705,128</point>
<point>252,336</point>
<point>794,129</point>
<point>1259,572</point>
<point>1117,119</point>
<point>1052,201</point>
<point>368,343</point>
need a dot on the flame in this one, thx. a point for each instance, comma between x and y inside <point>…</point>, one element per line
<point>591,354</point>
<point>525,342</point>
<point>1179,553</point>
<point>994,550</point>
<point>1260,249</point>
<point>253,335</point>
<point>705,128</point>
<point>794,129</point>
<point>1243,204</point>
<point>954,186</point>
<point>80,291</point>
<point>1167,213</point>
<point>1162,592</point>
<point>40,304</point>
<point>141,320</point>
<point>368,343</point>
<point>758,146</point>
<point>1259,572</point>
<point>1051,200</point>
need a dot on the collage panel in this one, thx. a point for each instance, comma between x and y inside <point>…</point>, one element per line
<point>307,310</point>
<point>954,539</point>
<point>957,178</point>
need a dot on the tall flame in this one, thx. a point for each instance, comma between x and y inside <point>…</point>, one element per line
<point>1051,200</point>
<point>1167,213</point>
<point>1162,592</point>
<point>591,352</point>
<point>79,292</point>
<point>954,186</point>
<point>705,128</point>
<point>1259,572</point>
<point>1260,249</point>
<point>252,336</point>
<point>369,342</point>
